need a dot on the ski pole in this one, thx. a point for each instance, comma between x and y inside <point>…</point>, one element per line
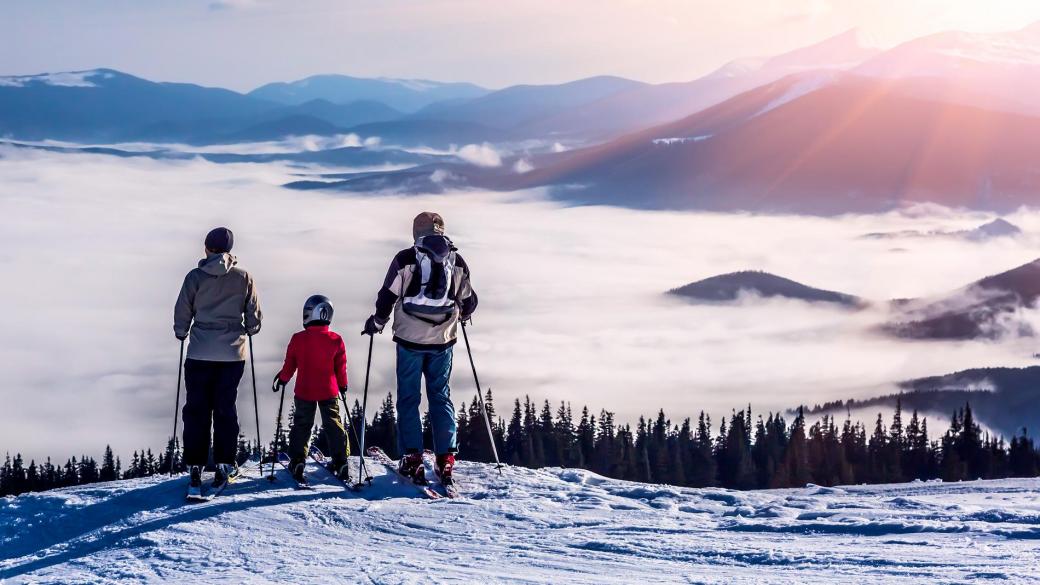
<point>364,398</point>
<point>363,474</point>
<point>256,401</point>
<point>176,407</point>
<point>480,398</point>
<point>277,436</point>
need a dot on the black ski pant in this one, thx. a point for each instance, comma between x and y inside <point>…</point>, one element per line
<point>212,389</point>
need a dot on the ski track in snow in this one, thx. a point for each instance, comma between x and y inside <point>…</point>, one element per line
<point>523,526</point>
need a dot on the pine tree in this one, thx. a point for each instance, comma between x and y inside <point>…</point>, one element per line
<point>513,452</point>
<point>108,465</point>
<point>703,471</point>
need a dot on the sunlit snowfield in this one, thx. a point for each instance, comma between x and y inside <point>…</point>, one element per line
<point>93,250</point>
<point>524,526</point>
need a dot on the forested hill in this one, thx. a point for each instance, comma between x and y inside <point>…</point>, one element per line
<point>1004,399</point>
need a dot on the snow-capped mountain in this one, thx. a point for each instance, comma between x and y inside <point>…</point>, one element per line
<point>643,107</point>
<point>104,104</point>
<point>848,144</point>
<point>989,70</point>
<point>89,78</point>
<point>406,95</point>
<point>531,526</point>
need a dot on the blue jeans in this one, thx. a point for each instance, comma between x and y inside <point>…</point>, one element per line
<point>435,366</point>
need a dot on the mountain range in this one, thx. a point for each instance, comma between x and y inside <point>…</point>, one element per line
<point>998,228</point>
<point>831,128</point>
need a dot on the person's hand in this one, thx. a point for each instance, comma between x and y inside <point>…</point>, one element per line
<point>343,391</point>
<point>466,320</point>
<point>181,337</point>
<point>278,385</point>
<point>373,326</point>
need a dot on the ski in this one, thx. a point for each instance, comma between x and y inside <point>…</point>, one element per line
<point>451,487</point>
<point>380,456</point>
<point>192,498</point>
<point>232,478</point>
<point>207,492</point>
<point>324,462</point>
<point>283,460</point>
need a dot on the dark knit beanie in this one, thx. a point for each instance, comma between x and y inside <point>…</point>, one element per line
<point>220,240</point>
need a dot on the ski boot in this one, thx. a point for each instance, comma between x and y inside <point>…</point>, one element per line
<point>341,471</point>
<point>195,483</point>
<point>298,475</point>
<point>412,467</point>
<point>444,467</point>
<point>223,475</point>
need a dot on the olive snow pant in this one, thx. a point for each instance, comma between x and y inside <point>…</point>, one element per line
<point>211,391</point>
<point>331,424</point>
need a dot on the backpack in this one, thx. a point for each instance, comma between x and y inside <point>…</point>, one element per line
<point>431,295</point>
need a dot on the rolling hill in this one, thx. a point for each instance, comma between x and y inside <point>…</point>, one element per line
<point>729,287</point>
<point>1004,399</point>
<point>986,309</point>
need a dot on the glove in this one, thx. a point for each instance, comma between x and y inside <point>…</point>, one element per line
<point>466,319</point>
<point>278,385</point>
<point>343,391</point>
<point>373,326</point>
<point>181,337</point>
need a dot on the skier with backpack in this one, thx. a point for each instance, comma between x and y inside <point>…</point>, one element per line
<point>427,289</point>
<point>216,311</point>
<point>318,357</point>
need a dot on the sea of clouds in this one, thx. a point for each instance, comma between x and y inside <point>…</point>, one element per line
<point>93,250</point>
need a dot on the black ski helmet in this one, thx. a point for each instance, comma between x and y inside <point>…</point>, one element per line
<point>317,311</point>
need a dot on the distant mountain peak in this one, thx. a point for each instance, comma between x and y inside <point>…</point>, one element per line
<point>997,228</point>
<point>842,51</point>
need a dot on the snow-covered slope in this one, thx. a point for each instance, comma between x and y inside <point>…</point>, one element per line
<point>546,526</point>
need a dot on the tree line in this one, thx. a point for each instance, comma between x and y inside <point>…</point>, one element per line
<point>743,452</point>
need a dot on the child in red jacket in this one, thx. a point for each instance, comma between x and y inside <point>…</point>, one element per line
<point>321,360</point>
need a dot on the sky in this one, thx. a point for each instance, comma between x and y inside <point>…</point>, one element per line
<point>566,314</point>
<point>242,44</point>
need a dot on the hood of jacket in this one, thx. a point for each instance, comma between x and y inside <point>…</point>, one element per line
<point>218,264</point>
<point>437,246</point>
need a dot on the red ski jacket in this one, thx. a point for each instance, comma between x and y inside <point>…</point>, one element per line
<point>321,358</point>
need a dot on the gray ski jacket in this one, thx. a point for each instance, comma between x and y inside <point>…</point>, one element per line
<point>218,307</point>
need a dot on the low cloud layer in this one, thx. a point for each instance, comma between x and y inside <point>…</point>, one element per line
<point>93,250</point>
<point>481,155</point>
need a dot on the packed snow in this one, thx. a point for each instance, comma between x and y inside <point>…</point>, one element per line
<point>522,526</point>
